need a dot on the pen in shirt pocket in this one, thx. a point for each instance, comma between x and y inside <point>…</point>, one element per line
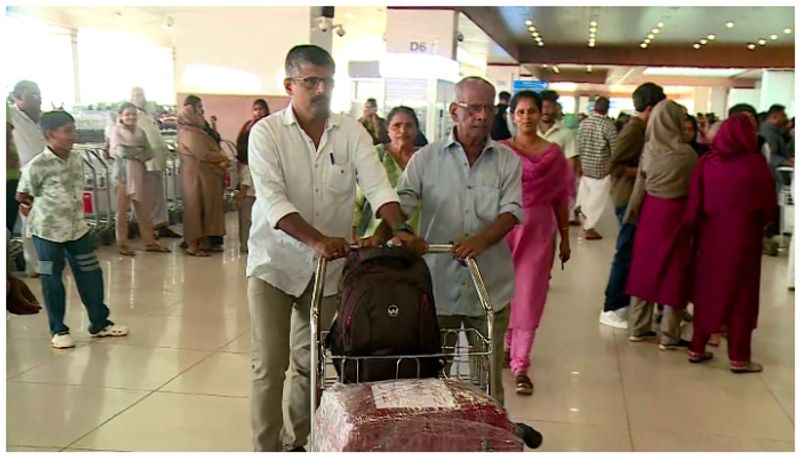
<point>333,162</point>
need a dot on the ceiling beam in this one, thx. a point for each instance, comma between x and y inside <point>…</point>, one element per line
<point>491,22</point>
<point>574,76</point>
<point>716,56</point>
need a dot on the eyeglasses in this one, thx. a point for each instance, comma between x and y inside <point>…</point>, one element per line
<point>476,108</point>
<point>311,82</point>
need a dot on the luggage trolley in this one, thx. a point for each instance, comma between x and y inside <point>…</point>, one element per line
<point>97,181</point>
<point>785,201</point>
<point>475,350</point>
<point>231,175</point>
<point>172,184</point>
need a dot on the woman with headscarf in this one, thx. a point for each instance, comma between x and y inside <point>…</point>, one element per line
<point>690,134</point>
<point>661,246</point>
<point>130,149</point>
<point>548,192</point>
<point>731,200</point>
<point>202,181</point>
<point>246,197</point>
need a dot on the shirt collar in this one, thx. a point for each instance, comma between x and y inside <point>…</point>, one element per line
<point>289,118</point>
<point>452,141</point>
<point>554,128</point>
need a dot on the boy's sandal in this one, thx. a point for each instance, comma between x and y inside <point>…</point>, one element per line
<point>197,253</point>
<point>127,251</point>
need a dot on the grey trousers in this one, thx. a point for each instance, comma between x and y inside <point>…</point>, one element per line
<point>640,321</point>
<point>498,337</point>
<point>280,329</point>
<point>158,199</point>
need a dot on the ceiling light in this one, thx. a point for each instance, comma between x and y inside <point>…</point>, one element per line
<point>540,44</point>
<point>651,36</point>
<point>555,69</point>
<point>787,30</point>
<point>544,65</point>
<point>773,37</point>
<point>588,69</point>
<point>532,29</point>
<point>751,46</point>
<point>593,29</point>
<point>643,45</point>
<point>762,42</point>
<point>656,31</point>
<point>591,44</point>
<point>529,22</point>
<point>711,37</point>
<point>647,40</point>
<point>593,24</point>
<point>660,24</point>
<point>696,45</point>
<point>729,24</point>
<point>536,34</point>
<point>703,41</point>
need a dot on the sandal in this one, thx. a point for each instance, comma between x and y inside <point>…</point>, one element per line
<point>198,253</point>
<point>696,357</point>
<point>156,248</point>
<point>749,367</point>
<point>524,386</point>
<point>127,251</point>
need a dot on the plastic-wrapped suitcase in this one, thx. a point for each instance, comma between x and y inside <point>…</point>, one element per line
<point>412,415</point>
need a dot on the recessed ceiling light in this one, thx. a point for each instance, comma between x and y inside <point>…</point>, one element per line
<point>751,46</point>
<point>729,24</point>
<point>696,45</point>
<point>647,40</point>
<point>593,24</point>
<point>703,41</point>
<point>656,31</point>
<point>536,34</point>
<point>592,36</point>
<point>555,69</point>
<point>591,44</point>
<point>651,36</point>
<point>588,69</point>
<point>593,29</point>
<point>540,44</point>
<point>787,30</point>
<point>762,42</point>
<point>660,24</point>
<point>544,65</point>
<point>529,22</point>
<point>532,28</point>
<point>773,37</point>
<point>711,37</point>
<point>643,45</point>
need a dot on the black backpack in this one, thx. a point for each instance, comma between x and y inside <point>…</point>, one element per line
<point>386,308</point>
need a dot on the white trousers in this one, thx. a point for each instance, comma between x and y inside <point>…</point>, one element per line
<point>155,185</point>
<point>593,197</point>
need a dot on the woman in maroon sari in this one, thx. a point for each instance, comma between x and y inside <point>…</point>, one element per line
<point>731,200</point>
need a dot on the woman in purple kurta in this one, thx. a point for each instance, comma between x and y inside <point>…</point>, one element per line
<point>732,199</point>
<point>661,249</point>
<point>547,194</point>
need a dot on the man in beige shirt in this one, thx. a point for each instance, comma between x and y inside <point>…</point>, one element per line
<point>552,130</point>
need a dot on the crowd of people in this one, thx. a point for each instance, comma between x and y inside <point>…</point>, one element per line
<point>503,188</point>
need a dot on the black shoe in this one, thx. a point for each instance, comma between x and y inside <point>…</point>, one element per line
<point>184,245</point>
<point>166,232</point>
<point>528,435</point>
<point>298,449</point>
<point>682,344</point>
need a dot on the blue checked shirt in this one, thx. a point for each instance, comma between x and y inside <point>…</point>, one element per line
<point>457,201</point>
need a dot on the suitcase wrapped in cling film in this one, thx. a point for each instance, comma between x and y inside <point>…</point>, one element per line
<point>411,415</point>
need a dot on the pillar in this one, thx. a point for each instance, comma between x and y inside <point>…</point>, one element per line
<point>777,86</point>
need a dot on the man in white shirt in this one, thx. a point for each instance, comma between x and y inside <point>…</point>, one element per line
<point>30,142</point>
<point>155,166</point>
<point>305,162</point>
<point>552,130</point>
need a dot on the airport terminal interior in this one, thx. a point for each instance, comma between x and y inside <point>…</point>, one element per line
<point>182,377</point>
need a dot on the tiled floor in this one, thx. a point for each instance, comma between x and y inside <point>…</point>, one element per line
<point>180,381</point>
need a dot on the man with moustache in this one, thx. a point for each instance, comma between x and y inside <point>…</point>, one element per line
<point>304,161</point>
<point>552,130</point>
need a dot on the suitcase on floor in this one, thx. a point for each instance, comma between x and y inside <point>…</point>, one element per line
<point>422,415</point>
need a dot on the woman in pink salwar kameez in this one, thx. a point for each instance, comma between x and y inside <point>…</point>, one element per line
<point>731,200</point>
<point>548,192</point>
